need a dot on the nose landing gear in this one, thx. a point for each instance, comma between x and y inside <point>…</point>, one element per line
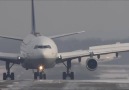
<point>40,73</point>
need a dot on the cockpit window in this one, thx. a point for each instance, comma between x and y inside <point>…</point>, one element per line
<point>42,46</point>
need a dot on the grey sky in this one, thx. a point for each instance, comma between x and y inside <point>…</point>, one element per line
<point>101,19</point>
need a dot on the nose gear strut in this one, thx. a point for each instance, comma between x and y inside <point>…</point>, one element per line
<point>40,73</point>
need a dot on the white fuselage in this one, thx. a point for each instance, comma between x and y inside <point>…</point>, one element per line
<point>38,51</point>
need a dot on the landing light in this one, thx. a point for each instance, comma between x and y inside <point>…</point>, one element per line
<point>19,58</point>
<point>41,68</point>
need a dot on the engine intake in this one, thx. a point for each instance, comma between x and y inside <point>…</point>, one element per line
<point>91,64</point>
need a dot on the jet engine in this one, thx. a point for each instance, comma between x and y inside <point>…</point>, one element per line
<point>91,64</point>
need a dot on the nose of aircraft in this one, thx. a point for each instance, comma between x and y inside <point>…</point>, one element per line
<point>47,54</point>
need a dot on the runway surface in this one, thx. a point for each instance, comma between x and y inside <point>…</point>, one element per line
<point>64,85</point>
<point>106,77</point>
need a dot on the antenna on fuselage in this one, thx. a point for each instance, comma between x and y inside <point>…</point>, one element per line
<point>33,18</point>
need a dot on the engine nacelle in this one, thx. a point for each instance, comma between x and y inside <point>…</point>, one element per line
<point>91,64</point>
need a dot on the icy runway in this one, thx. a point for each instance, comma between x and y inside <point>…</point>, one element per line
<point>65,85</point>
<point>106,77</point>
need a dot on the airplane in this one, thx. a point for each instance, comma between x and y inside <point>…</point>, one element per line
<point>39,52</point>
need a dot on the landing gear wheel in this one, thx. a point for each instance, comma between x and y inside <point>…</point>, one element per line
<point>8,74</point>
<point>41,75</point>
<point>44,76</point>
<point>12,76</point>
<point>72,75</point>
<point>4,76</point>
<point>64,75</point>
<point>68,73</point>
<point>35,75</point>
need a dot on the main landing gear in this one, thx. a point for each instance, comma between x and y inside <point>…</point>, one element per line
<point>68,73</point>
<point>40,73</point>
<point>8,74</point>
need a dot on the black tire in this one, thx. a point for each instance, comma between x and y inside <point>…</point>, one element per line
<point>4,76</point>
<point>64,75</point>
<point>12,76</point>
<point>40,75</point>
<point>35,75</point>
<point>72,75</point>
<point>44,76</point>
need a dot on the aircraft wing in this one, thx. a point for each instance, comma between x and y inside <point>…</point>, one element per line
<point>13,38</point>
<point>64,35</point>
<point>71,55</point>
<point>11,57</point>
<point>111,48</point>
<point>94,51</point>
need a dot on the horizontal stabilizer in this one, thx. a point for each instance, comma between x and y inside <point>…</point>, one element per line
<point>64,35</point>
<point>13,38</point>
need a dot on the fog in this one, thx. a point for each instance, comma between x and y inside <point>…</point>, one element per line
<point>105,19</point>
<point>105,22</point>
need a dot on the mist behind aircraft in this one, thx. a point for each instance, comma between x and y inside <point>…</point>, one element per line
<point>105,19</point>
